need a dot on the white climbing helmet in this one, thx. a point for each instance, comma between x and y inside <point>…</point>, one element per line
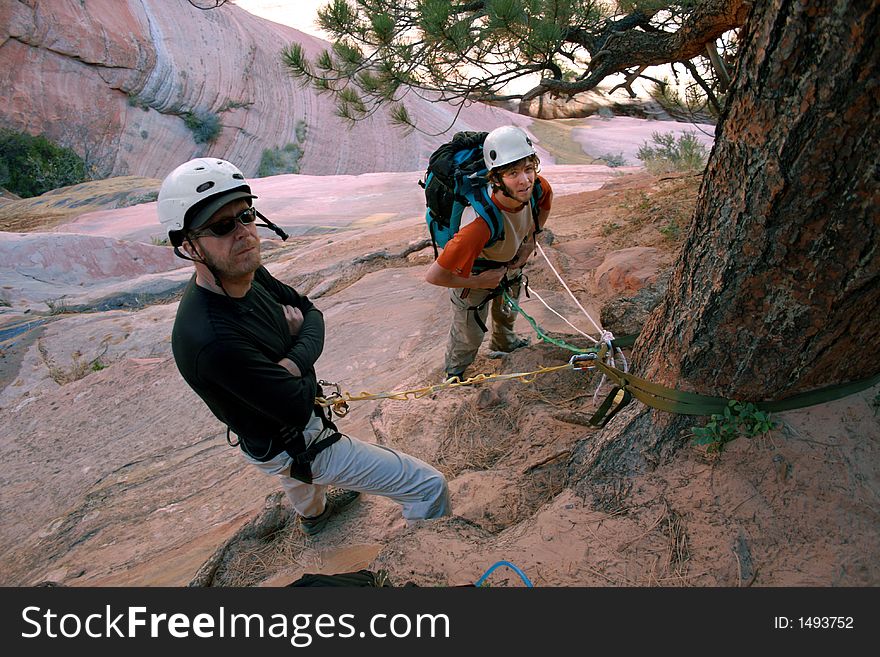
<point>195,190</point>
<point>505,145</point>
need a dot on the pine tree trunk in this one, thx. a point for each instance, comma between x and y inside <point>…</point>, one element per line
<point>777,290</point>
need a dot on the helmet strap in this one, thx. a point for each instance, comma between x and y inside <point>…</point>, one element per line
<point>201,261</point>
<point>268,224</point>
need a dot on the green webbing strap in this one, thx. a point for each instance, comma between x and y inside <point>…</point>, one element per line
<point>676,401</point>
<point>690,403</point>
<point>602,417</point>
<point>819,396</point>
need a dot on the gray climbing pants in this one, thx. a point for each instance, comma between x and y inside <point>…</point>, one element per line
<point>466,336</point>
<point>356,465</point>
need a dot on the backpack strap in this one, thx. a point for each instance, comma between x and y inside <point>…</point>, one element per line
<point>537,195</point>
<point>478,197</point>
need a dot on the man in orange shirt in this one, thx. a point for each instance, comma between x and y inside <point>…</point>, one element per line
<point>475,269</point>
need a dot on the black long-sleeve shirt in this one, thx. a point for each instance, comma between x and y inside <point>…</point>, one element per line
<point>227,350</point>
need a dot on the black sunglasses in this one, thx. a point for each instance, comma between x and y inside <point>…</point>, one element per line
<point>226,226</point>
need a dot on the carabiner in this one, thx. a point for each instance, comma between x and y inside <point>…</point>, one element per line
<point>581,361</point>
<point>337,404</point>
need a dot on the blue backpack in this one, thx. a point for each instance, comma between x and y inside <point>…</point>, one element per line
<point>455,179</point>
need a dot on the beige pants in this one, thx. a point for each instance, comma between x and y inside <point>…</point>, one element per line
<point>466,336</point>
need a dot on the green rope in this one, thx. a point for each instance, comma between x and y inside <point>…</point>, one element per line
<point>543,336</point>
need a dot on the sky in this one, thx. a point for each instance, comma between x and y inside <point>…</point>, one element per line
<point>299,14</point>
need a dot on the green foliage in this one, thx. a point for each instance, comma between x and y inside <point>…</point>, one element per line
<point>686,153</point>
<point>277,161</point>
<point>136,101</point>
<point>693,103</point>
<point>609,227</point>
<point>613,160</point>
<point>468,51</point>
<point>235,104</point>
<point>738,420</point>
<point>30,166</point>
<point>671,230</point>
<point>204,125</point>
<point>138,198</point>
<point>293,57</point>
<point>56,306</point>
<point>301,130</point>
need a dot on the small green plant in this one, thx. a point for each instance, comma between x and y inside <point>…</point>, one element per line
<point>609,227</point>
<point>235,104</point>
<point>671,230</point>
<point>205,126</point>
<point>738,420</point>
<point>136,101</point>
<point>56,306</point>
<point>159,240</point>
<point>686,153</point>
<point>301,130</point>
<point>613,159</point>
<point>276,161</point>
<point>97,365</point>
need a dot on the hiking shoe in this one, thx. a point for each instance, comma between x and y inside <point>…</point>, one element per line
<point>452,376</point>
<point>337,500</point>
<point>519,343</point>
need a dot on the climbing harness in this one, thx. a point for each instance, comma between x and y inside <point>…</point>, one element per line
<point>502,289</point>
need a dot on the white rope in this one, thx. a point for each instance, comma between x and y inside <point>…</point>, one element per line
<point>553,269</point>
<point>604,335</point>
<point>623,358</point>
<point>530,291</point>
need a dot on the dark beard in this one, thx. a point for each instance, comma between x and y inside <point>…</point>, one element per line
<point>224,269</point>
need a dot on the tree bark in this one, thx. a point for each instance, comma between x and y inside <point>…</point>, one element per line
<point>777,290</point>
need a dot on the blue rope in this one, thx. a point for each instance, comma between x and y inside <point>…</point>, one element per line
<point>509,565</point>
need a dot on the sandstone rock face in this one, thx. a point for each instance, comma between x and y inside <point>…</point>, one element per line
<point>114,79</point>
<point>628,270</point>
<point>59,265</point>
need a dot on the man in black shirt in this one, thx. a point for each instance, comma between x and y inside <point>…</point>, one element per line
<point>247,345</point>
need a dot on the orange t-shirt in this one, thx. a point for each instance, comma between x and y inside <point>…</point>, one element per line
<point>464,248</point>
